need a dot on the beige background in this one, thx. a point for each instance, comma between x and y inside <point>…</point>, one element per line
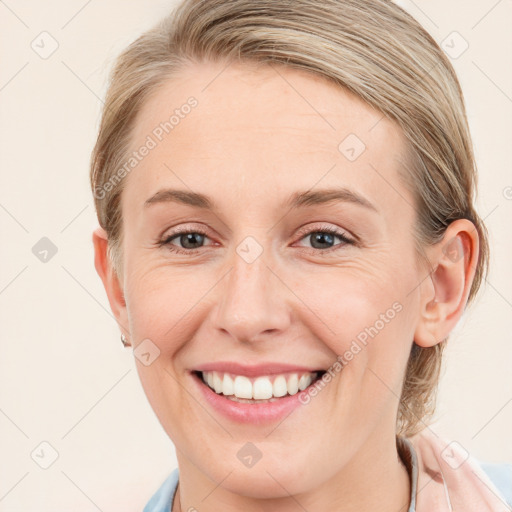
<point>64,376</point>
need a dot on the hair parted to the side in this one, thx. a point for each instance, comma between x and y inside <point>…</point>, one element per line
<point>374,49</point>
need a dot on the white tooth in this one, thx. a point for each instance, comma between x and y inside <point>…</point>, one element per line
<point>209,379</point>
<point>243,387</point>
<point>279,388</point>
<point>203,376</point>
<point>217,383</point>
<point>262,388</point>
<point>293,384</point>
<point>305,381</point>
<point>228,387</point>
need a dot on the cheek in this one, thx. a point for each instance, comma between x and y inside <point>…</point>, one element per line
<point>364,320</point>
<point>347,305</point>
<point>340,306</point>
<point>162,302</point>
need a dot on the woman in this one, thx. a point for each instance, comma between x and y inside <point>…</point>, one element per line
<point>285,193</point>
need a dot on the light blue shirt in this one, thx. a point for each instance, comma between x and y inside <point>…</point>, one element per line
<point>500,475</point>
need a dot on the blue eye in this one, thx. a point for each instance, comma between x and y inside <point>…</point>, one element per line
<point>188,240</point>
<point>327,236</point>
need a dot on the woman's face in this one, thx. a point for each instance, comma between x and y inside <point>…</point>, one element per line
<point>261,289</point>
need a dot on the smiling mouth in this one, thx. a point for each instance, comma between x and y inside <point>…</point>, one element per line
<point>265,388</point>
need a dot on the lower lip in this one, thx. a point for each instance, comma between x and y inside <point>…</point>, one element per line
<point>258,413</point>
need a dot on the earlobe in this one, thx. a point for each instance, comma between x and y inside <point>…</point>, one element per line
<point>445,291</point>
<point>109,278</point>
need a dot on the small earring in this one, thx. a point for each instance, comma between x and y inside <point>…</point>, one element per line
<point>124,341</point>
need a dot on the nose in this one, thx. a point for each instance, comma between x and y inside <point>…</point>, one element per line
<point>253,302</point>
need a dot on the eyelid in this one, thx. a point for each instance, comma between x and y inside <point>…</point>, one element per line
<point>175,233</point>
<point>183,228</point>
<point>303,232</point>
<point>337,231</point>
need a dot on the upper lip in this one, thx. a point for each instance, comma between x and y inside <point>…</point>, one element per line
<point>255,370</point>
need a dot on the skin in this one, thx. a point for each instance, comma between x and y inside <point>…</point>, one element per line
<point>267,133</point>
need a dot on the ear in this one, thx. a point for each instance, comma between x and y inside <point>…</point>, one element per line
<point>110,279</point>
<point>444,293</point>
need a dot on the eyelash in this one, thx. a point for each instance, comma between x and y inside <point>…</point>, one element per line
<point>323,229</point>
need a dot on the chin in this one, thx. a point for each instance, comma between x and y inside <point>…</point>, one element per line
<point>265,483</point>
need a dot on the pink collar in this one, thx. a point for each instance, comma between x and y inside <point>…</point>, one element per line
<point>448,478</point>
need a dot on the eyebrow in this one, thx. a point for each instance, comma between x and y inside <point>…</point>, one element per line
<point>296,200</point>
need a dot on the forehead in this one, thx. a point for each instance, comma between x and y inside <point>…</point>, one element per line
<point>261,131</point>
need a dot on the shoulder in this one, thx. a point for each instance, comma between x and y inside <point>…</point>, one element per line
<point>161,501</point>
<point>501,476</point>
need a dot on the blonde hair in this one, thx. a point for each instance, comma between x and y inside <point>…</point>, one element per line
<point>374,49</point>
